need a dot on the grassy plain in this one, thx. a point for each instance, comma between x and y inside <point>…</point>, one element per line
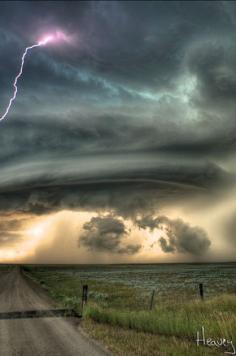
<point>118,313</point>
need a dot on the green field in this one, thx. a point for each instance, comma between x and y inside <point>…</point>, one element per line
<point>118,312</point>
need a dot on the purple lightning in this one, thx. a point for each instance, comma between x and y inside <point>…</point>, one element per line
<point>43,42</point>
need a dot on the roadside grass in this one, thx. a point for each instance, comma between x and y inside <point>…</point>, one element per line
<point>123,342</point>
<point>218,316</point>
<point>119,316</point>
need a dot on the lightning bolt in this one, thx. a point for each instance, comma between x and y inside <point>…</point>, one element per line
<point>40,43</point>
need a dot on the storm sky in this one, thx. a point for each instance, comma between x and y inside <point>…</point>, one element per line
<point>121,144</point>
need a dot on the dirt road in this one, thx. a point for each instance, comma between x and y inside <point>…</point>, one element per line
<point>36,336</point>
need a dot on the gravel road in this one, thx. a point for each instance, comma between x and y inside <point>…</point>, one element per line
<point>37,336</point>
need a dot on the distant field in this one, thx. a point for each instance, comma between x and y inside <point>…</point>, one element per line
<point>119,302</point>
<point>165,279</point>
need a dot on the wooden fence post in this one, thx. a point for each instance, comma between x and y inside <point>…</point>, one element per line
<point>84,296</point>
<point>152,299</point>
<point>201,291</point>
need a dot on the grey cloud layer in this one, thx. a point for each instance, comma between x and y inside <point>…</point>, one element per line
<point>141,105</point>
<point>120,86</point>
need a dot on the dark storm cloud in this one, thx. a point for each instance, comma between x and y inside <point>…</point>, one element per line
<point>213,63</point>
<point>37,140</point>
<point>106,233</point>
<point>181,237</point>
<point>140,105</point>
<point>128,186</point>
<point>143,45</point>
<point>123,51</point>
<point>127,197</point>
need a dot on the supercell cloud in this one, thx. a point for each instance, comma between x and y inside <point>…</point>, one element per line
<point>132,117</point>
